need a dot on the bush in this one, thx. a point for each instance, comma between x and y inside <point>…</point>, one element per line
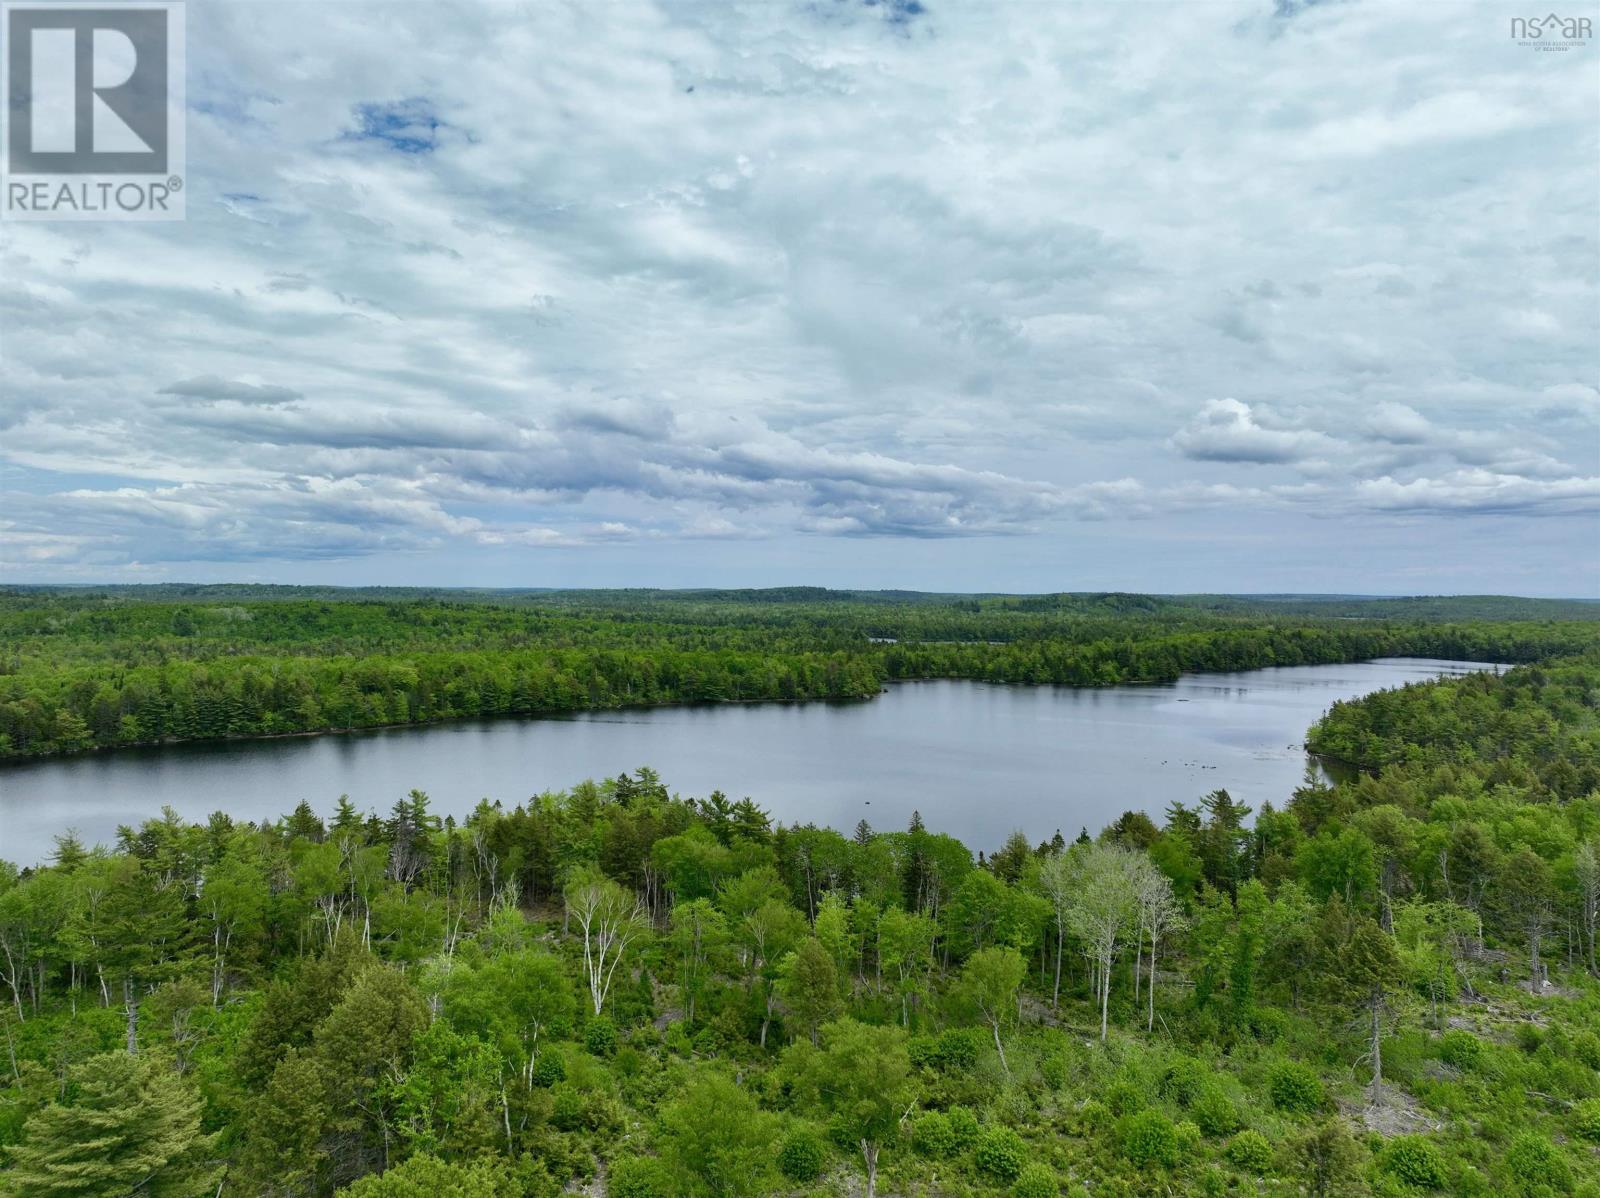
<point>1586,1047</point>
<point>1215,1113</point>
<point>1529,1037</point>
<point>639,1177</point>
<point>1250,1151</point>
<point>1536,1164</point>
<point>566,1108</point>
<point>1148,1138</point>
<point>963,1126</point>
<point>600,1037</point>
<point>1037,1181</point>
<point>1124,1098</point>
<point>1183,1080</point>
<point>1414,1161</point>
<point>1190,1142</point>
<point>1586,1120</point>
<point>1000,1153</point>
<point>1094,1116</point>
<point>1295,1088</point>
<point>931,1135</point>
<point>549,1069</point>
<point>1461,1049</point>
<point>802,1156</point>
<point>1053,1069</point>
<point>958,1049</point>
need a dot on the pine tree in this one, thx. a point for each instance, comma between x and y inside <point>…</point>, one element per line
<point>132,1126</point>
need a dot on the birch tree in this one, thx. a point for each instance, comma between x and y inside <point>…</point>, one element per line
<point>610,920</point>
<point>1103,909</point>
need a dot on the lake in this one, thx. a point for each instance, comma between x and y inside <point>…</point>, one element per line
<point>977,760</point>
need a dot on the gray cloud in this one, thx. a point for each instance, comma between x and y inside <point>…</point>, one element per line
<point>754,277</point>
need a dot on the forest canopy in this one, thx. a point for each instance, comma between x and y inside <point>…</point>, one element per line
<point>1385,986</point>
<point>84,669</point>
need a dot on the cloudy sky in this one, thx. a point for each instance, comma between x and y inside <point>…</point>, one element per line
<point>1208,296</point>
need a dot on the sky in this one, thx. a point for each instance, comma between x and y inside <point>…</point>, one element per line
<point>1233,297</point>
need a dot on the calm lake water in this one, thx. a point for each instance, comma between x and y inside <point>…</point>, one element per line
<point>976,760</point>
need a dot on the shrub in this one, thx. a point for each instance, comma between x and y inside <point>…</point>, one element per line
<point>1414,1161</point>
<point>1190,1141</point>
<point>1183,1079</point>
<point>1093,1115</point>
<point>566,1108</point>
<point>549,1069</point>
<point>1295,1088</point>
<point>963,1126</point>
<point>1586,1047</point>
<point>1053,1069</point>
<point>931,1135</point>
<point>600,1037</point>
<point>638,1177</point>
<point>1529,1037</point>
<point>1215,1113</point>
<point>1000,1153</point>
<point>1586,1119</point>
<point>1124,1098</point>
<point>958,1049</point>
<point>1037,1181</point>
<point>924,1051</point>
<point>1536,1164</point>
<point>1148,1138</point>
<point>1461,1049</point>
<point>1250,1151</point>
<point>802,1156</point>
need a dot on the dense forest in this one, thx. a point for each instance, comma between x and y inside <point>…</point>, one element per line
<point>1382,987</point>
<point>82,669</point>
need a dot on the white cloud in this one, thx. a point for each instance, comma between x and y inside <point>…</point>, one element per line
<point>757,274</point>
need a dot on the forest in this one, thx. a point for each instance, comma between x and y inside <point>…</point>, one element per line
<point>1383,986</point>
<point>97,668</point>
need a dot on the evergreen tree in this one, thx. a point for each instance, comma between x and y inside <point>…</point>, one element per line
<point>130,1125</point>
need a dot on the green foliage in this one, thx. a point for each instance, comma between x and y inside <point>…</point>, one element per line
<point>639,1177</point>
<point>932,1135</point>
<point>1461,1049</point>
<point>1250,1151</point>
<point>600,1036</point>
<point>1414,1161</point>
<point>424,1176</point>
<point>1000,1153</point>
<point>1214,1112</point>
<point>1182,1080</point>
<point>1295,1088</point>
<point>717,1142</point>
<point>130,1124</point>
<point>1148,1138</point>
<point>1037,1181</point>
<point>802,1156</point>
<point>1537,1165</point>
<point>1586,1120</point>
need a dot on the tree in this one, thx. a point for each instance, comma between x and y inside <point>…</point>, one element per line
<point>610,920</point>
<point>989,981</point>
<point>1059,878</point>
<point>767,934</point>
<point>1326,1157</point>
<point>717,1142</point>
<point>1159,917</point>
<point>1525,898</point>
<point>512,999</point>
<point>130,1126</point>
<point>809,981</point>
<point>1369,967</point>
<point>699,933</point>
<point>861,1076</point>
<point>905,949</point>
<point>282,1148</point>
<point>1102,908</point>
<point>1586,877</point>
